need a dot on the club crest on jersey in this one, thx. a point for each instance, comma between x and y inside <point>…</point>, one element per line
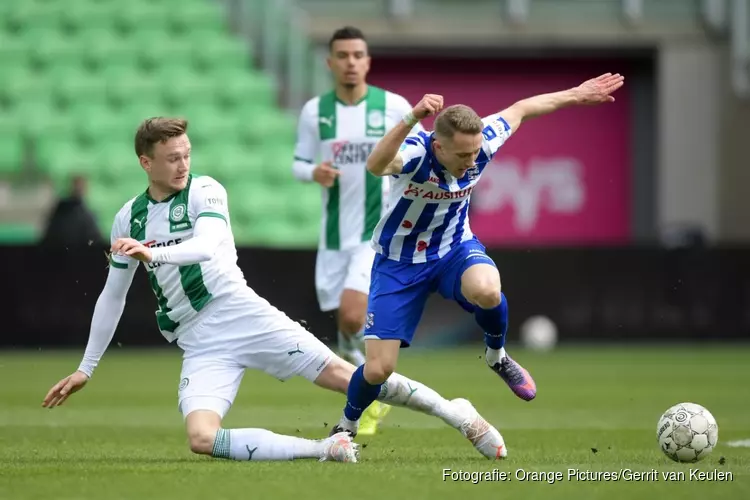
<point>375,123</point>
<point>178,212</point>
<point>178,218</point>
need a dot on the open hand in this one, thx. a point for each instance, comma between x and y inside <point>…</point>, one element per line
<point>64,388</point>
<point>598,90</point>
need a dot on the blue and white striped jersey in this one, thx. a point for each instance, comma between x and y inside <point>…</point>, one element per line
<point>428,208</point>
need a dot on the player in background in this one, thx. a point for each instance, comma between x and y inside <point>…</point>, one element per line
<point>180,229</point>
<point>424,243</point>
<point>339,129</point>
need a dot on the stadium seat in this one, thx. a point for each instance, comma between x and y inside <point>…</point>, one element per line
<point>13,56</point>
<point>11,153</point>
<point>35,119</point>
<point>101,49</point>
<point>192,17</point>
<point>79,76</point>
<point>18,234</point>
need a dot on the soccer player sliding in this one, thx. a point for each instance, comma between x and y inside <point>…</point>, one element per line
<point>424,243</point>
<point>180,229</point>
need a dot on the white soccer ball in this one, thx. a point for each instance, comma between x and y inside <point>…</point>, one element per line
<point>687,432</point>
<point>539,333</point>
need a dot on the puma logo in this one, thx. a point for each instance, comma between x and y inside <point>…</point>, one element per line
<point>250,452</point>
<point>139,222</point>
<point>296,351</point>
<point>412,390</point>
<point>326,120</point>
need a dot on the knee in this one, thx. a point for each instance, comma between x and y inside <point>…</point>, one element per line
<point>351,321</point>
<point>487,296</point>
<point>202,440</point>
<point>377,371</point>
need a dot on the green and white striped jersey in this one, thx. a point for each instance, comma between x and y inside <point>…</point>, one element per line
<point>181,291</point>
<point>330,130</point>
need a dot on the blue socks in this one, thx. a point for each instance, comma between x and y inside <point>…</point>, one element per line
<point>360,394</point>
<point>494,322</point>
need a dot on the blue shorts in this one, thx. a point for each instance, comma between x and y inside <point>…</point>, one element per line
<point>399,291</point>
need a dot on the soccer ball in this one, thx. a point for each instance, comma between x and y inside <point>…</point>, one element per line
<point>687,432</point>
<point>539,333</point>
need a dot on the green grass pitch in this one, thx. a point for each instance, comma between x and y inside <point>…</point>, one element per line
<point>596,410</point>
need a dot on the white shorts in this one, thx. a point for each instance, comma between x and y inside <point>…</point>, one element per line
<point>339,270</point>
<point>243,333</point>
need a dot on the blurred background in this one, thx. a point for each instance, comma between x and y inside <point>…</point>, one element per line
<point>620,223</point>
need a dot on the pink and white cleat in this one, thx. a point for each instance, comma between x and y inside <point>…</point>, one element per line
<point>485,438</point>
<point>340,448</point>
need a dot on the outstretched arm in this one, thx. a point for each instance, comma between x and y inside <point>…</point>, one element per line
<point>107,313</point>
<point>595,91</point>
<point>384,158</point>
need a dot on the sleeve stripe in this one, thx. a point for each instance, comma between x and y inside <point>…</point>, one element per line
<point>211,214</point>
<point>411,165</point>
<point>117,265</point>
<point>505,124</point>
<point>297,158</point>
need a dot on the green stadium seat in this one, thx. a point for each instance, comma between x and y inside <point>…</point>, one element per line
<point>192,17</point>
<point>195,92</point>
<point>105,203</point>
<point>221,54</point>
<point>84,15</point>
<point>132,18</point>
<point>265,131</point>
<point>14,56</point>
<point>244,87</point>
<point>52,51</point>
<point>26,85</point>
<point>79,91</point>
<point>36,119</point>
<point>11,153</point>
<point>102,49</point>
<point>79,76</point>
<point>18,234</point>
<point>115,158</point>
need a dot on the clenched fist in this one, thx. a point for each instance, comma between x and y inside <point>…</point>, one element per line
<point>431,104</point>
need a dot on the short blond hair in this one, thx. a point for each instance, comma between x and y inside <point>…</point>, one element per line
<point>457,118</point>
<point>158,129</point>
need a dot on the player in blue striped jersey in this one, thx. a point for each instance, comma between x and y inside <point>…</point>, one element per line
<point>424,243</point>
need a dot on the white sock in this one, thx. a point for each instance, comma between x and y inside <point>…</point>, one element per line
<point>352,347</point>
<point>349,425</point>
<point>261,444</point>
<point>401,391</point>
<point>493,356</point>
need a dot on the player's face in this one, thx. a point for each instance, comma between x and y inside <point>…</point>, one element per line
<point>459,153</point>
<point>349,62</point>
<point>169,167</point>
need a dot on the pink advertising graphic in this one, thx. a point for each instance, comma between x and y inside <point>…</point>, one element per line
<point>565,178</point>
